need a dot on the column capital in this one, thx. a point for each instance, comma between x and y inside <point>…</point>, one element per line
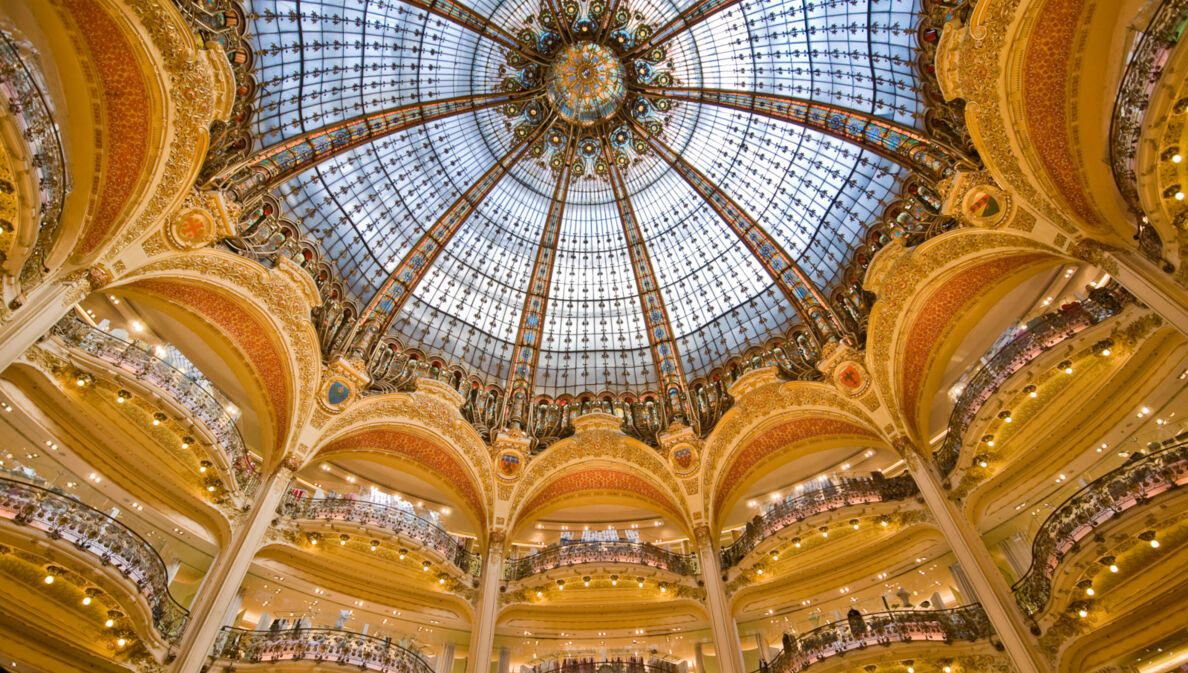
<point>701,533</point>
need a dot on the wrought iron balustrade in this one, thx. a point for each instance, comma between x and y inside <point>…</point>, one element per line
<point>1133,483</point>
<point>1142,74</point>
<point>63,517</point>
<point>1049,331</point>
<point>592,665</point>
<point>845,493</point>
<point>200,398</point>
<point>30,107</point>
<point>357,650</point>
<point>574,553</point>
<point>968,622</point>
<point>387,517</point>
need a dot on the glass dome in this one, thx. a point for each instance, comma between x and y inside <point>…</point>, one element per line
<point>543,225</point>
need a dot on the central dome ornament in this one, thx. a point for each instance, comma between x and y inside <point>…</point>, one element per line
<point>586,83</point>
<point>591,83</point>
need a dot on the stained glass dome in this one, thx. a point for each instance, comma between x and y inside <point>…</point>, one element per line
<point>594,191</point>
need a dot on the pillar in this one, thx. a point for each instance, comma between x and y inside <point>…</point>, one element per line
<point>504,660</point>
<point>726,642</point>
<point>1151,286</point>
<point>761,643</point>
<point>979,569</point>
<point>698,657</point>
<point>171,569</point>
<point>221,586</point>
<point>483,639</point>
<point>445,659</point>
<point>39,311</point>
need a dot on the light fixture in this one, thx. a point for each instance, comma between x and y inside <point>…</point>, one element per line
<point>375,545</point>
<point>86,600</point>
<point>123,396</point>
<point>342,539</point>
<point>109,623</point>
<point>1113,568</point>
<point>560,585</point>
<point>402,553</point>
<point>425,566</point>
<point>1066,366</point>
<point>158,417</point>
<point>121,642</point>
<point>1030,391</point>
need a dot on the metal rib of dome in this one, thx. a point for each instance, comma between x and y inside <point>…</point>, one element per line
<point>378,191</point>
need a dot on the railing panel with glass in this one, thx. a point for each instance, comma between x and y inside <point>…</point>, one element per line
<point>389,518</point>
<point>90,530</point>
<point>574,553</point>
<point>198,396</point>
<point>1133,483</point>
<point>347,648</point>
<point>968,622</point>
<point>844,493</point>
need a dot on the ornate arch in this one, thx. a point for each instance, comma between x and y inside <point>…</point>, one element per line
<point>261,315</point>
<point>594,481</point>
<point>766,422</point>
<point>929,298</point>
<point>607,447</point>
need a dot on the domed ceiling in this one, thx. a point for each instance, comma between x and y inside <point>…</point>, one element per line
<point>597,194</point>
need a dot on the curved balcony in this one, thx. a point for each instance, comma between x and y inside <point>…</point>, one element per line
<point>575,553</point>
<point>199,397</point>
<point>389,518</point>
<point>346,648</point>
<point>846,493</point>
<point>62,517</point>
<point>1049,331</point>
<point>1134,483</point>
<point>1147,61</point>
<point>31,109</point>
<point>968,622</point>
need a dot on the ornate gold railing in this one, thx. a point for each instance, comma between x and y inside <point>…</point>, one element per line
<point>1050,330</point>
<point>845,493</point>
<point>62,517</point>
<point>346,648</point>
<point>968,622</point>
<point>30,106</point>
<point>1143,71</point>
<point>200,398</point>
<point>389,518</point>
<point>575,553</point>
<point>1133,483</point>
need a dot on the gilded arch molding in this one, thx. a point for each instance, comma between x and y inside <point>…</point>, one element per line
<point>910,327</point>
<point>263,313</point>
<point>156,94</point>
<point>605,446</point>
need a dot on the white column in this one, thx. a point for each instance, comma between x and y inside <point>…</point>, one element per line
<point>171,569</point>
<point>699,657</point>
<point>222,583</point>
<point>726,642</point>
<point>41,309</point>
<point>983,576</point>
<point>761,643</point>
<point>504,660</point>
<point>445,659</point>
<point>233,608</point>
<point>1151,286</point>
<point>479,658</point>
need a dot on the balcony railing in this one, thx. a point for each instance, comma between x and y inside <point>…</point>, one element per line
<point>31,107</point>
<point>574,553</point>
<point>1134,483</point>
<point>201,399</point>
<point>846,493</point>
<point>389,518</point>
<point>1143,71</point>
<point>92,531</point>
<point>968,622</point>
<point>1049,331</point>
<point>592,665</point>
<point>347,648</point>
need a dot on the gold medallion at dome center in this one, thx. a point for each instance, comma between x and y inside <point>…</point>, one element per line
<point>586,83</point>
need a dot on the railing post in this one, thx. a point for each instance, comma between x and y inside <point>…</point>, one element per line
<point>967,545</point>
<point>479,658</point>
<point>222,583</point>
<point>726,642</point>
